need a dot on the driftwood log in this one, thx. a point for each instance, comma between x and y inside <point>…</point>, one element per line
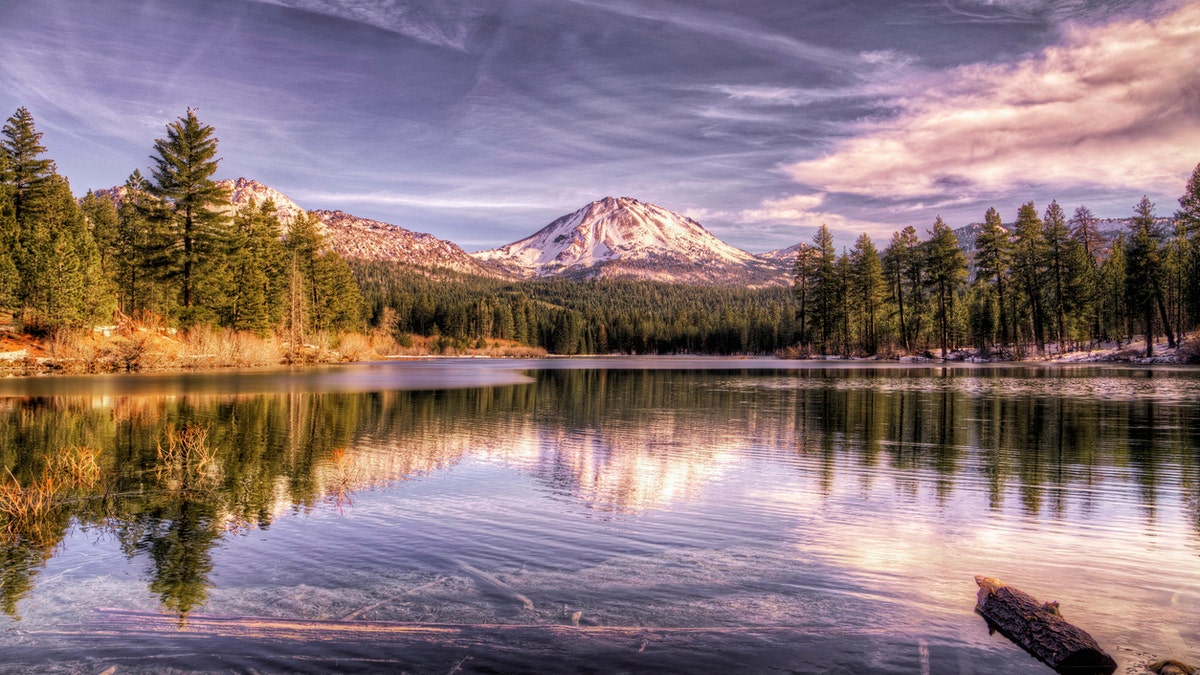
<point>1040,629</point>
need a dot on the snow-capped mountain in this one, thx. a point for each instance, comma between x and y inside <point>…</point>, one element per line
<point>243,191</point>
<point>355,237</point>
<point>629,238</point>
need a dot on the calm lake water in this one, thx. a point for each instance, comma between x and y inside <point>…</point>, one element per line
<point>687,514</point>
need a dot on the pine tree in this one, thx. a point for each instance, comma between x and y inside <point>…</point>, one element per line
<point>143,249</point>
<point>1189,204</point>
<point>868,288</point>
<point>323,293</point>
<point>946,270</point>
<point>10,279</point>
<point>1029,266</point>
<point>103,223</point>
<point>182,177</point>
<point>1087,236</point>
<point>1058,252</point>
<point>903,268</point>
<point>1113,309</point>
<point>257,291</point>
<point>1188,218</point>
<point>993,256</point>
<point>25,169</point>
<point>46,238</point>
<point>1143,289</point>
<point>803,275</point>
<point>825,290</point>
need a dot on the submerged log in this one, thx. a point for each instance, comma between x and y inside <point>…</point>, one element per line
<point>1040,629</point>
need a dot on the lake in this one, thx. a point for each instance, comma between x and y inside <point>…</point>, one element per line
<point>659,514</point>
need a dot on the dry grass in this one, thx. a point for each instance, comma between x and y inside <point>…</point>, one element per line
<point>33,512</point>
<point>26,510</point>
<point>417,345</point>
<point>207,347</point>
<point>76,466</point>
<point>185,460</point>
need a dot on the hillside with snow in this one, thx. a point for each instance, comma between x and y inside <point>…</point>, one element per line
<point>627,238</point>
<point>366,239</point>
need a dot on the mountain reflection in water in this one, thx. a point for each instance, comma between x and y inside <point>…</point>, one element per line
<point>1061,447</point>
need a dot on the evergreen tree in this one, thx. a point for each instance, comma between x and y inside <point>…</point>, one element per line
<point>1188,219</point>
<point>257,291</point>
<point>103,223</point>
<point>946,270</point>
<point>1029,259</point>
<point>803,275</point>
<point>143,250</point>
<point>1114,311</point>
<point>993,255</point>
<point>45,237</point>
<point>1189,204</point>
<point>825,288</point>
<point>1087,236</point>
<point>1143,275</point>
<point>10,279</point>
<point>868,289</point>
<point>323,295</point>
<point>25,169</point>
<point>1058,252</point>
<point>902,265</point>
<point>182,177</point>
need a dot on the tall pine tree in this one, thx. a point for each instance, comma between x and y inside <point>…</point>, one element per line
<point>946,270</point>
<point>184,163</point>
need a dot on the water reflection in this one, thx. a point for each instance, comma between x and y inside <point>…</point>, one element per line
<point>618,442</point>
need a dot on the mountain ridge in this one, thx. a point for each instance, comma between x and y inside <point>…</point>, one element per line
<point>628,238</point>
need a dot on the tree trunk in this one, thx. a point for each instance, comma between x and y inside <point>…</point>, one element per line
<point>1166,321</point>
<point>1040,629</point>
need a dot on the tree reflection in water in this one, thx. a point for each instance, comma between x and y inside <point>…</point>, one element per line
<point>597,435</point>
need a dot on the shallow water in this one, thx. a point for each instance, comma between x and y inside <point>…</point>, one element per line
<point>697,514</point>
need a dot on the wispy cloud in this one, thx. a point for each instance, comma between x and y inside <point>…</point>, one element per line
<point>445,23</point>
<point>730,26</point>
<point>1111,106</point>
<point>418,201</point>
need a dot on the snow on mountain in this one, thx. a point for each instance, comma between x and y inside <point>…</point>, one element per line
<point>629,238</point>
<point>350,236</point>
<point>355,237</point>
<point>782,256</point>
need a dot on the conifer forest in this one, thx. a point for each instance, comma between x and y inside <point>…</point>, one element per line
<point>167,245</point>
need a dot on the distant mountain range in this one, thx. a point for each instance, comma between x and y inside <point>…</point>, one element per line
<point>608,238</point>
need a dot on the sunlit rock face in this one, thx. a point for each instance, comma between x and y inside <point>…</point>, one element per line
<point>624,237</point>
<point>244,192</point>
<point>365,239</point>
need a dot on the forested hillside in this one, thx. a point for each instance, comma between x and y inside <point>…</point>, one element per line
<point>168,248</point>
<point>1050,284</point>
<point>579,317</point>
<point>164,248</point>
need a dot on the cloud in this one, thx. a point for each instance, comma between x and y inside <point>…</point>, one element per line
<point>419,201</point>
<point>448,23</point>
<point>1112,106</point>
<point>728,26</point>
<point>804,210</point>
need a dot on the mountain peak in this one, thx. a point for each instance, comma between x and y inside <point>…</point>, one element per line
<point>243,191</point>
<point>623,237</point>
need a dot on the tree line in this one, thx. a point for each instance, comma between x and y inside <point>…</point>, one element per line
<point>168,245</point>
<point>1048,280</point>
<point>568,317</point>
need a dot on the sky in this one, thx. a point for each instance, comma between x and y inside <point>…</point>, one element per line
<point>480,121</point>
